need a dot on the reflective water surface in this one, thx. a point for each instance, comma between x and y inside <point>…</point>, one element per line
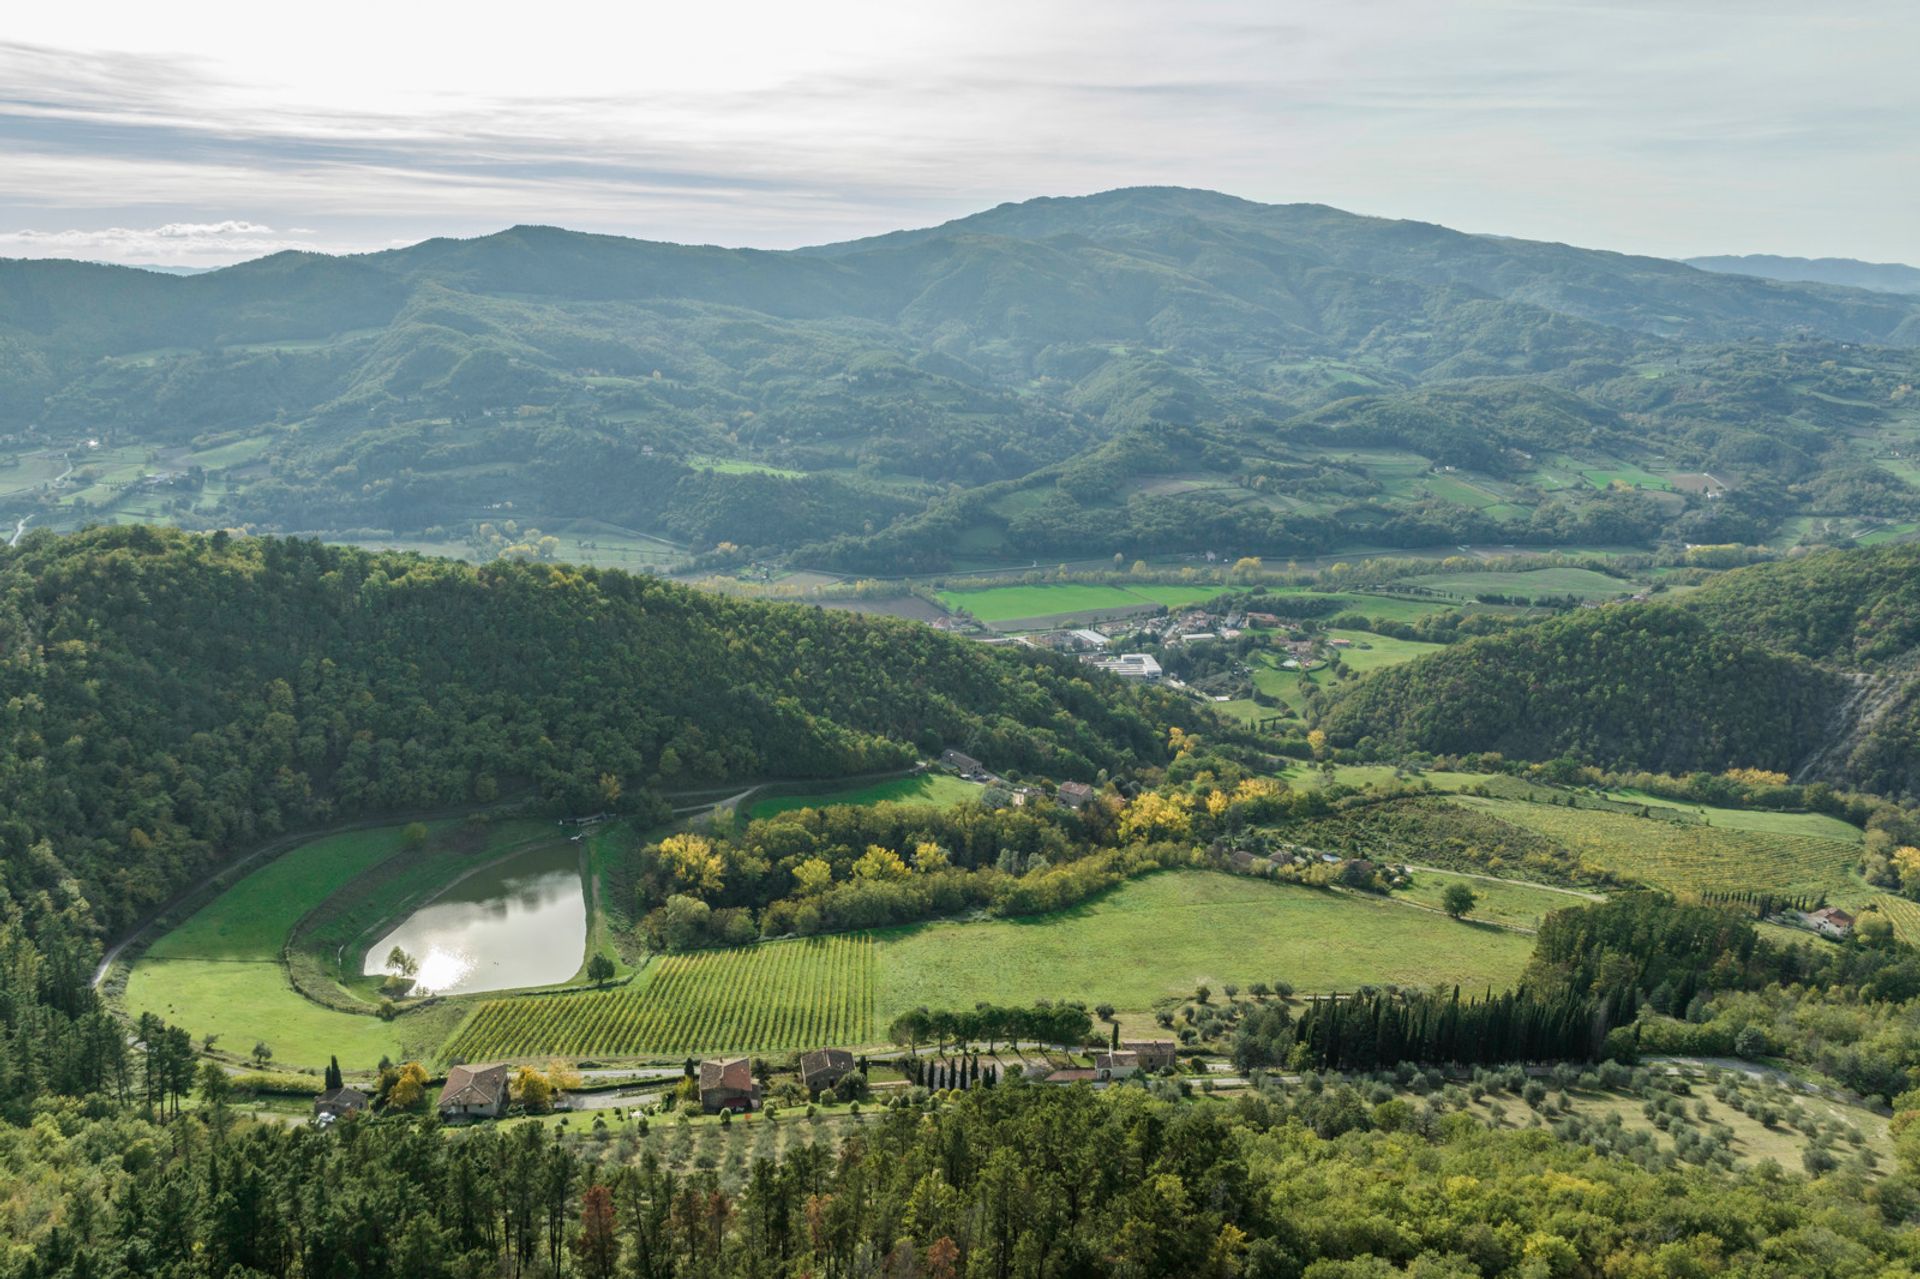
<point>519,922</point>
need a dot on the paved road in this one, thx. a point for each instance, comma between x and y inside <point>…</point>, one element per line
<point>18,529</point>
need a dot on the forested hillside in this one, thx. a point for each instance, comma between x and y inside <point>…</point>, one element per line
<point>172,698</point>
<point>1647,687</point>
<point>1148,370</point>
<point>1856,611</point>
<point>1857,608</point>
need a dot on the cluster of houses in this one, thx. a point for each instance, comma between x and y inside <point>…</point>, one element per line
<point>728,1083</point>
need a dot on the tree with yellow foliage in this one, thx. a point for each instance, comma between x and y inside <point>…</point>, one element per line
<point>694,862</point>
<point>532,1090</point>
<point>1155,816</point>
<point>1906,860</point>
<point>1317,741</point>
<point>929,856</point>
<point>880,863</point>
<point>410,1089</point>
<point>812,876</point>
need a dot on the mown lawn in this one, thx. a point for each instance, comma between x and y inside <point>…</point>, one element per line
<point>936,789</point>
<point>1158,938</point>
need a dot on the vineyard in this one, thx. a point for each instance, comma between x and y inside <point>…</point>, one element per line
<point>1903,914</point>
<point>1686,857</point>
<point>774,996</point>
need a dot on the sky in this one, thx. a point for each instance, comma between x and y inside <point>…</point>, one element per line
<point>203,133</point>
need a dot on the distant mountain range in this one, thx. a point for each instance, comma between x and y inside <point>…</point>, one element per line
<point>1882,277</point>
<point>1147,370</point>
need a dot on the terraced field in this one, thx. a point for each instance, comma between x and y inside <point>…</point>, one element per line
<point>778,995</point>
<point>1681,857</point>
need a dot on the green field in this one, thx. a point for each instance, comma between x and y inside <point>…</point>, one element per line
<point>1530,584</point>
<point>1501,901</point>
<point>220,972</point>
<point>774,996</point>
<point>1144,943</point>
<point>1155,939</point>
<point>739,466</point>
<point>1816,825</point>
<point>1290,687</point>
<point>1682,857</point>
<point>1055,599</point>
<point>929,788</point>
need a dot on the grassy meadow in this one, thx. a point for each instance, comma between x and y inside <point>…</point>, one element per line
<point>936,789</point>
<point>1499,901</point>
<point>1691,857</point>
<point>1157,938</point>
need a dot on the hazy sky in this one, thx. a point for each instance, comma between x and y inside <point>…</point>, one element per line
<point>208,132</point>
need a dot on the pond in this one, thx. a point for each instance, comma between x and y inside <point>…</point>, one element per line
<point>519,922</point>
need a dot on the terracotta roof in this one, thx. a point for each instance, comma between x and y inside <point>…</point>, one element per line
<point>1074,1076</point>
<point>475,1086</point>
<point>734,1074</point>
<point>1116,1061</point>
<point>344,1098</point>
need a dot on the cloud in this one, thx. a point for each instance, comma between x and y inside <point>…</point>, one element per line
<point>1679,127</point>
<point>170,244</point>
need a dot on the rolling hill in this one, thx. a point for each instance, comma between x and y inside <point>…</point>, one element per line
<point>1028,381</point>
<point>173,698</point>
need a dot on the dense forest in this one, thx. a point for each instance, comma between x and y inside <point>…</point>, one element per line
<point>1015,383</point>
<point>1650,687</point>
<point>174,698</point>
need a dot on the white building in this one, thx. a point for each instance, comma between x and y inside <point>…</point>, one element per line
<point>1127,665</point>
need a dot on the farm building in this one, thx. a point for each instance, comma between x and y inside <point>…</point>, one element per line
<point>338,1103</point>
<point>823,1067</point>
<point>726,1083</point>
<point>474,1092</point>
<point>1831,921</point>
<point>965,765</point>
<point>1075,794</point>
<point>1151,1054</point>
<point>1117,1065</point>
